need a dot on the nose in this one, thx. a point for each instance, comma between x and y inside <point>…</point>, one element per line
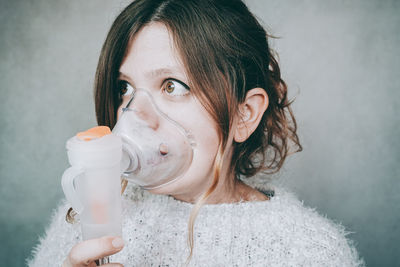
<point>145,110</point>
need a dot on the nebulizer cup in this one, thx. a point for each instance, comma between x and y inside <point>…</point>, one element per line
<point>146,147</point>
<point>92,184</point>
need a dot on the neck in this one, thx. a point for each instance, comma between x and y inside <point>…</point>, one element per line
<point>228,190</point>
<point>236,191</point>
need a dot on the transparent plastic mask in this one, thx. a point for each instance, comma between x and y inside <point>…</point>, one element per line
<point>156,149</point>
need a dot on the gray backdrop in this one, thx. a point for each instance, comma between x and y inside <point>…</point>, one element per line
<point>339,58</point>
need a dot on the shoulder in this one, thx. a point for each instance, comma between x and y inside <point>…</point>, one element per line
<point>307,236</point>
<point>59,237</point>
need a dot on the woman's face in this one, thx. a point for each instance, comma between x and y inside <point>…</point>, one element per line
<point>153,63</point>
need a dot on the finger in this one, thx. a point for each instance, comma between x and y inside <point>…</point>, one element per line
<point>90,250</point>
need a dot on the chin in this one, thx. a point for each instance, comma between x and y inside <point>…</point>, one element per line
<point>186,188</point>
<point>177,186</point>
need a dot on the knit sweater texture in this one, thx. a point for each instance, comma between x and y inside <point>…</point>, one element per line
<point>276,232</point>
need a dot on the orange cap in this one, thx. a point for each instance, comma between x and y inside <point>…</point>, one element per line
<point>95,132</point>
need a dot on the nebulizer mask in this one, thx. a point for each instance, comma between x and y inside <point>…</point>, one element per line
<point>156,149</point>
<point>146,147</point>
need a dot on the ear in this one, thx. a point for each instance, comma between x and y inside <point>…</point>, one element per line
<point>250,113</point>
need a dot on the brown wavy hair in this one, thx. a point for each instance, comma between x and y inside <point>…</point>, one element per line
<point>226,53</point>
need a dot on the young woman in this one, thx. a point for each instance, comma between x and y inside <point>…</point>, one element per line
<point>208,64</point>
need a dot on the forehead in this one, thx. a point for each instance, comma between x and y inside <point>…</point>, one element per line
<point>150,51</point>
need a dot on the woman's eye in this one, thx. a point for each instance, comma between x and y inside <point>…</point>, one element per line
<point>175,88</point>
<point>126,89</point>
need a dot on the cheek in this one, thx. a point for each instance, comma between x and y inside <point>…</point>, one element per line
<point>119,111</point>
<point>205,132</point>
<point>206,138</point>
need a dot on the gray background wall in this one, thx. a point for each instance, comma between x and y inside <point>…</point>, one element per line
<point>339,58</point>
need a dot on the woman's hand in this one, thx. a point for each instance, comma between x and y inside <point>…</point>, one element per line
<point>85,253</point>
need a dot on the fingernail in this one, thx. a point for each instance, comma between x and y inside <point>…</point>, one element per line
<point>118,242</point>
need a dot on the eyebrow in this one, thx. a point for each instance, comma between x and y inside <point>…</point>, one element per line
<point>154,73</point>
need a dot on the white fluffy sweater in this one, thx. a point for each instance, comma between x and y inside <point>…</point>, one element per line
<point>277,232</point>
